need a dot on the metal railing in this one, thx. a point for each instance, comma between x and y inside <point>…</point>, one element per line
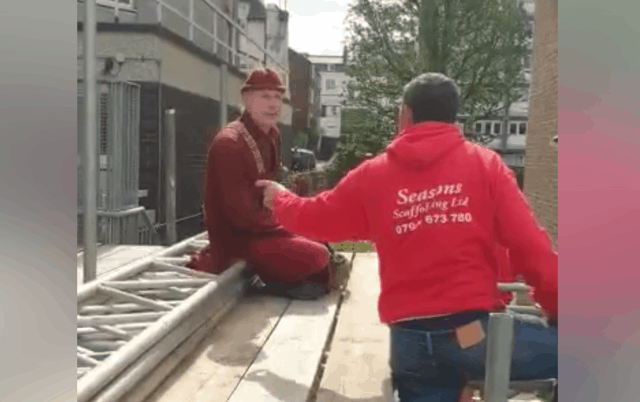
<point>118,124</point>
<point>206,23</point>
<point>497,385</point>
<point>130,226</point>
<point>120,219</point>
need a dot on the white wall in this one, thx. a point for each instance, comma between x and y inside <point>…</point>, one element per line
<point>255,30</point>
<point>329,98</point>
<point>179,67</point>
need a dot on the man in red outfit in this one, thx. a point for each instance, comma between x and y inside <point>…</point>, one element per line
<point>238,225</point>
<point>438,208</point>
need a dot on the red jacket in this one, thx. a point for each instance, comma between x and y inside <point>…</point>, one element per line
<point>504,275</point>
<point>435,205</point>
<point>233,210</point>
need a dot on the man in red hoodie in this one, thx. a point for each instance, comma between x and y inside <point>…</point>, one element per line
<point>437,206</point>
<point>238,225</point>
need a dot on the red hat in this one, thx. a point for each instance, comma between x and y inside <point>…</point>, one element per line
<point>263,79</point>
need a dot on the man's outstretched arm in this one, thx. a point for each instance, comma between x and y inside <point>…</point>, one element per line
<point>334,215</point>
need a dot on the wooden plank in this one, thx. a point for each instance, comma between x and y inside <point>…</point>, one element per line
<point>215,368</point>
<point>102,251</point>
<point>151,382</point>
<point>357,366</point>
<point>287,364</point>
<point>113,257</point>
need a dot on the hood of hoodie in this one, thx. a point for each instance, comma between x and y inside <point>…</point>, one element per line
<point>422,144</point>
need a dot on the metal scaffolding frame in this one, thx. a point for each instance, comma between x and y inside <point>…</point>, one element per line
<point>130,320</point>
<point>500,338</point>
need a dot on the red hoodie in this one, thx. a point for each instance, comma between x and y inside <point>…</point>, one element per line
<point>505,275</point>
<point>435,205</point>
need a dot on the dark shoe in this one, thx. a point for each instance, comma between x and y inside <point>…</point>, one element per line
<point>307,291</point>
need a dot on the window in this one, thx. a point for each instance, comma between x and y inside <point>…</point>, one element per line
<point>497,128</point>
<point>324,111</point>
<point>487,128</point>
<point>330,84</point>
<point>128,4</point>
<point>513,128</point>
<point>523,128</point>
<point>331,67</point>
<point>478,128</point>
<point>334,110</point>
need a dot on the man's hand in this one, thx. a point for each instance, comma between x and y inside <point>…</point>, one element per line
<point>271,189</point>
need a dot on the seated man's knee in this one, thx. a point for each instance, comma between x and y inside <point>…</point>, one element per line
<point>325,258</point>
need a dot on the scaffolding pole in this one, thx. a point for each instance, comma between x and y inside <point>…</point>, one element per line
<point>91,143</point>
<point>170,175</point>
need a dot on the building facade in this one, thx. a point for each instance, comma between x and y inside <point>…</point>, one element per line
<point>511,132</point>
<point>332,82</point>
<point>189,56</point>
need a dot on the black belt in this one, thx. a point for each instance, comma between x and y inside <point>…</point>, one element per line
<point>445,322</point>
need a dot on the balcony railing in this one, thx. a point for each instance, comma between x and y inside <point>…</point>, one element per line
<point>203,23</point>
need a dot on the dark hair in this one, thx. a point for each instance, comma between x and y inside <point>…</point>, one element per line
<point>432,97</point>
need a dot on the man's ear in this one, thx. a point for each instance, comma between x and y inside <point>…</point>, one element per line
<point>405,119</point>
<point>246,97</point>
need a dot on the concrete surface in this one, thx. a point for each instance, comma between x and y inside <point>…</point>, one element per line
<point>111,257</point>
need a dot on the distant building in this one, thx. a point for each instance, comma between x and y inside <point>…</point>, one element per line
<point>333,80</point>
<point>516,134</point>
<point>512,130</point>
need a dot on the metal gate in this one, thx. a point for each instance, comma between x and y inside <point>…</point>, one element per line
<point>120,219</point>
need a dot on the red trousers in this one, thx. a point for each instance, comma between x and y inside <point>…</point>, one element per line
<point>280,257</point>
<point>288,259</point>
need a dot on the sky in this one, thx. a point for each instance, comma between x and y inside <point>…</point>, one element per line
<point>316,26</point>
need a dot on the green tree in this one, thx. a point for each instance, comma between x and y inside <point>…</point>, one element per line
<point>478,43</point>
<point>301,139</point>
<point>306,138</point>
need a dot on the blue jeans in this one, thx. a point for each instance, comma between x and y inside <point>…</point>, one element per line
<point>428,365</point>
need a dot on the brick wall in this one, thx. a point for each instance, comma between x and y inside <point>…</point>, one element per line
<point>307,183</point>
<point>541,174</point>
